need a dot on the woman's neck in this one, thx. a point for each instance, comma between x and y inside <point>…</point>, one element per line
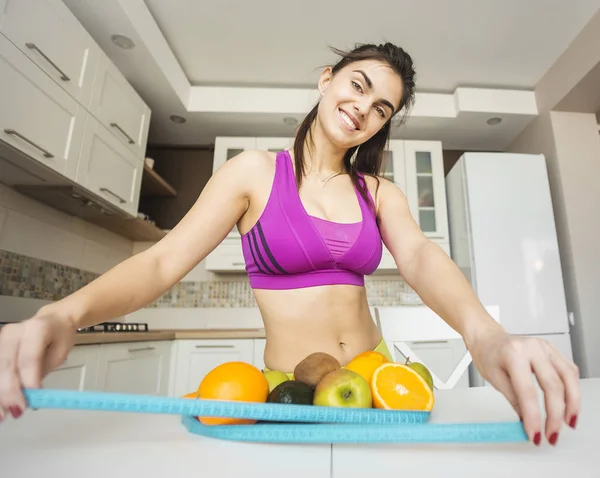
<point>320,155</point>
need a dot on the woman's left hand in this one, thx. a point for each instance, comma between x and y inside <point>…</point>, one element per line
<point>507,362</point>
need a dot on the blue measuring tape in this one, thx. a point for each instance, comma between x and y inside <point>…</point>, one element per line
<point>302,423</point>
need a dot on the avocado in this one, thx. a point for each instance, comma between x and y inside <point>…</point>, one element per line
<point>291,392</point>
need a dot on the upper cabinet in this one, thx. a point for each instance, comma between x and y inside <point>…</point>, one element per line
<point>73,131</point>
<point>55,41</point>
<point>426,187</point>
<point>118,107</point>
<point>416,167</point>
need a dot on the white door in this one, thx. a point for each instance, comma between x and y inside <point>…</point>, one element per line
<point>109,169</point>
<point>78,372</point>
<point>135,367</point>
<point>38,117</point>
<point>426,187</point>
<point>50,35</point>
<point>195,358</point>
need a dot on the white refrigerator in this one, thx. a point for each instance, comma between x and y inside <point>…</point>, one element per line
<point>503,238</point>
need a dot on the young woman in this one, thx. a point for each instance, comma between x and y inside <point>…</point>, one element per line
<point>312,221</point>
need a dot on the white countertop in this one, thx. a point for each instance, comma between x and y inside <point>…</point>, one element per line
<point>67,444</point>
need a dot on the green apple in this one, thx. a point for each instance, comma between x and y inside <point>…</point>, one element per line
<point>343,388</point>
<point>275,377</point>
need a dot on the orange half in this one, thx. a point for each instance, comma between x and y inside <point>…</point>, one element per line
<point>397,387</point>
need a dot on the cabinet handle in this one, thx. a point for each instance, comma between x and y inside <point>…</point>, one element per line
<point>33,46</point>
<point>429,341</point>
<point>129,139</point>
<point>106,190</point>
<point>237,263</point>
<point>142,349</point>
<point>19,135</point>
<point>215,346</point>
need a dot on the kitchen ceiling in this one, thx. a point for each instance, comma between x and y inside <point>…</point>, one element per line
<point>475,59</point>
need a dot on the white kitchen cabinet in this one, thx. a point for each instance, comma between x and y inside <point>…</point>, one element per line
<point>38,117</point>
<point>50,35</point>
<point>135,367</point>
<point>426,187</point>
<point>78,372</point>
<point>226,147</point>
<point>119,108</point>
<point>227,257</point>
<point>274,144</point>
<point>259,353</point>
<point>193,359</point>
<point>109,169</point>
<point>440,356</point>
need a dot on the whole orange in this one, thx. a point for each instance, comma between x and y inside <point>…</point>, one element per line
<point>236,381</point>
<point>366,363</point>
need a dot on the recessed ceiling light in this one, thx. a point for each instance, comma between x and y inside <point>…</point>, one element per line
<point>494,121</point>
<point>177,119</point>
<point>122,41</point>
<point>290,121</point>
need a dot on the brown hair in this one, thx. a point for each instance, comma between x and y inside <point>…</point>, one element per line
<point>370,155</point>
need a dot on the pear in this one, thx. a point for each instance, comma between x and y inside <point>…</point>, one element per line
<point>422,370</point>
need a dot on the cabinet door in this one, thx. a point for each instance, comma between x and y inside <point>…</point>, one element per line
<point>119,108</point>
<point>135,367</point>
<point>440,356</point>
<point>259,353</point>
<point>109,169</point>
<point>274,144</point>
<point>426,187</point>
<point>226,257</point>
<point>50,35</point>
<point>78,372</point>
<point>195,358</point>
<point>37,117</point>
<point>226,147</point>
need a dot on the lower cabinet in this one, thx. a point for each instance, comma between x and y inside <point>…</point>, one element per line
<point>134,367</point>
<point>193,359</point>
<point>440,356</point>
<point>78,372</point>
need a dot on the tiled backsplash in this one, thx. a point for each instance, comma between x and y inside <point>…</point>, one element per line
<point>24,276</point>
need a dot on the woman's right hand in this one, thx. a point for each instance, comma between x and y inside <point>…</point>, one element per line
<point>29,350</point>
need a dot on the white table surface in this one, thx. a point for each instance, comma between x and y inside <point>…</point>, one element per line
<point>73,443</point>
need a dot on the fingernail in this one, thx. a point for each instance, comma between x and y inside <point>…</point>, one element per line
<point>15,411</point>
<point>553,438</point>
<point>573,421</point>
<point>537,439</point>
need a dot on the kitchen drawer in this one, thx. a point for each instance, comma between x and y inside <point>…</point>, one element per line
<point>77,372</point>
<point>119,108</point>
<point>109,169</point>
<point>50,35</point>
<point>38,117</point>
<point>226,257</point>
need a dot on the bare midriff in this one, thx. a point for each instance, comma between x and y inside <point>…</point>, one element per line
<point>334,319</point>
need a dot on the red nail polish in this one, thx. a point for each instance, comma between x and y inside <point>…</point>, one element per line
<point>537,438</point>
<point>15,411</point>
<point>553,438</point>
<point>573,421</point>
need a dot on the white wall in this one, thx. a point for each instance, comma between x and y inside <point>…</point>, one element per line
<point>33,229</point>
<point>571,144</point>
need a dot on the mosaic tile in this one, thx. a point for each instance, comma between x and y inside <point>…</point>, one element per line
<point>24,276</point>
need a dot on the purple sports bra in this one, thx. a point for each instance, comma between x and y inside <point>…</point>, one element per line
<point>289,249</point>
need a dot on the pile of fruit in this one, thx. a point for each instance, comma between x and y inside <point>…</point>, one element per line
<point>369,380</point>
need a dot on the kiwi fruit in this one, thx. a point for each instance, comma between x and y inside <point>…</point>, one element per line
<point>314,367</point>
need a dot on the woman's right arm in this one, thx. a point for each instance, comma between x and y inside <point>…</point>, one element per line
<point>31,349</point>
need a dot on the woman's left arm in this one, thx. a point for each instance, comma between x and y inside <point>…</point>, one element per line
<point>504,360</point>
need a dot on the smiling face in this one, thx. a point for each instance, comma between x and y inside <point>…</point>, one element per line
<point>358,101</point>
